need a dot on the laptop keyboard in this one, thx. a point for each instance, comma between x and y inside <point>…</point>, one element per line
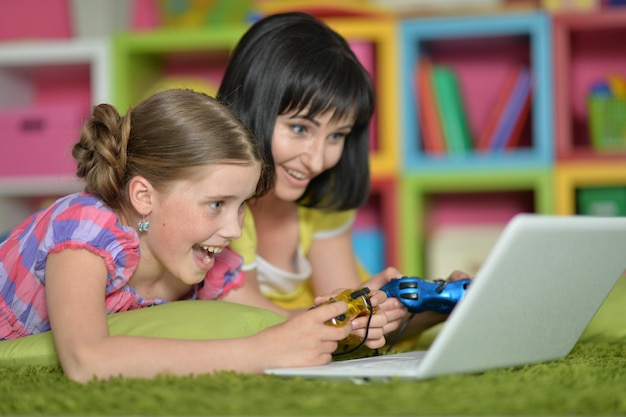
<point>381,362</point>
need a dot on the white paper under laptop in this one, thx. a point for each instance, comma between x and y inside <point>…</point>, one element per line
<point>535,294</point>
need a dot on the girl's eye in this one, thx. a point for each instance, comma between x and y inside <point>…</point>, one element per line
<point>216,205</point>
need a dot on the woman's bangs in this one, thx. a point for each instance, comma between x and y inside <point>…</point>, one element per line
<point>336,84</point>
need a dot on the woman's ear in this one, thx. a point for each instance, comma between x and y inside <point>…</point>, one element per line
<point>140,193</point>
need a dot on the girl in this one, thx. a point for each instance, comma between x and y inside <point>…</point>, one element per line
<point>165,187</point>
<point>298,86</point>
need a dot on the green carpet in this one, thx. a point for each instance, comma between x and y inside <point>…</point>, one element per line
<point>589,381</point>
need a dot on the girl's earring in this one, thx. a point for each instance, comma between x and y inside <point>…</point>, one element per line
<point>143,225</point>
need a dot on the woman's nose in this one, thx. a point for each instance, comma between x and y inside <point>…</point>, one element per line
<point>313,156</point>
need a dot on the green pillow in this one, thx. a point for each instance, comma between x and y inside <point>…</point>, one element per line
<point>609,323</point>
<point>176,320</point>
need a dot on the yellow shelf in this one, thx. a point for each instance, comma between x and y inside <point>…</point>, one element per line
<point>568,177</point>
<point>382,32</point>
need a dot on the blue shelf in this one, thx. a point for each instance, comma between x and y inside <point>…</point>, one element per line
<point>417,34</point>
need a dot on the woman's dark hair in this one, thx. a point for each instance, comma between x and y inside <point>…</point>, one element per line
<point>292,62</point>
<point>163,139</point>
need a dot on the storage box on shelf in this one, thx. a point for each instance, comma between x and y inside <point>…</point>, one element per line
<point>571,177</point>
<point>482,52</point>
<point>46,91</point>
<point>476,197</point>
<point>588,48</point>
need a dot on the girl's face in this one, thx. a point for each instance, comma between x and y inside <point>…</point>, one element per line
<point>304,147</point>
<point>196,218</point>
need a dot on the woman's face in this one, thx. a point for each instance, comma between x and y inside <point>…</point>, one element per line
<point>196,218</point>
<point>304,147</point>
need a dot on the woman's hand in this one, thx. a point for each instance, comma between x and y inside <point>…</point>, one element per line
<point>394,310</point>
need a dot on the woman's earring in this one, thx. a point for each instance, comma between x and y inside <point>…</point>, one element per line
<point>143,225</point>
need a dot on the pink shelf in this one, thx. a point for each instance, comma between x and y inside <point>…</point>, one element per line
<point>482,66</point>
<point>587,47</point>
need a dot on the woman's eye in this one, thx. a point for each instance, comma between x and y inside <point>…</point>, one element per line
<point>299,129</point>
<point>338,137</point>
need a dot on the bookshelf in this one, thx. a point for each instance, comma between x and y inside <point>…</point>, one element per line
<point>381,36</point>
<point>481,50</point>
<point>476,197</point>
<point>450,192</point>
<point>413,190</point>
<point>571,177</point>
<point>587,49</point>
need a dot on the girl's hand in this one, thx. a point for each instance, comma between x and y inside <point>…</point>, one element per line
<point>376,330</point>
<point>360,328</point>
<point>304,339</point>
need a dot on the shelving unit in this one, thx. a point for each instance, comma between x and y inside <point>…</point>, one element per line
<point>413,191</point>
<point>146,61</point>
<point>46,91</point>
<point>381,35</point>
<point>587,48</point>
<point>478,197</point>
<point>456,191</point>
<point>570,177</point>
<point>481,50</point>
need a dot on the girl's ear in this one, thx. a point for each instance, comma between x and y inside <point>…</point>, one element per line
<point>140,194</point>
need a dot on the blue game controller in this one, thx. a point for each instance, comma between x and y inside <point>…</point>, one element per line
<point>419,295</point>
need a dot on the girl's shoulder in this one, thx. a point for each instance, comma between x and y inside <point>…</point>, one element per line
<point>82,217</point>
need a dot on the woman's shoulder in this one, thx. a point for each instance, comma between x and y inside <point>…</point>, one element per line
<point>320,220</point>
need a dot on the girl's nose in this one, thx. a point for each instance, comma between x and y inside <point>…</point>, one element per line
<point>232,226</point>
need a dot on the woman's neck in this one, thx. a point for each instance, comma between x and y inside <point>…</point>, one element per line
<point>271,206</point>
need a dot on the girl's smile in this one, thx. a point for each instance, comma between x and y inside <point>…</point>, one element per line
<point>193,220</point>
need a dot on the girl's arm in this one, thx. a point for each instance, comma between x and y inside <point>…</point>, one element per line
<point>75,289</point>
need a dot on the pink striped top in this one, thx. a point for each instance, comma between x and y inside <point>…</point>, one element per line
<point>81,221</point>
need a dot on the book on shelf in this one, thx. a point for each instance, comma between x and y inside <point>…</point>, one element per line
<point>431,129</point>
<point>451,110</point>
<point>506,122</point>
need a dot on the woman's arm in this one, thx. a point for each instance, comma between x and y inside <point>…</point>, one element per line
<point>75,289</point>
<point>334,263</point>
<point>334,266</point>
<point>250,294</point>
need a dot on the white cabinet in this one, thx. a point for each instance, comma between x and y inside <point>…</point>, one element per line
<point>47,89</point>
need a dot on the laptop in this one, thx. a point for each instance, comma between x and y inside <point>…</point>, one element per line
<point>530,301</point>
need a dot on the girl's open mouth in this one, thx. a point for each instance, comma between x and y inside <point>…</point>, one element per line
<point>205,255</point>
